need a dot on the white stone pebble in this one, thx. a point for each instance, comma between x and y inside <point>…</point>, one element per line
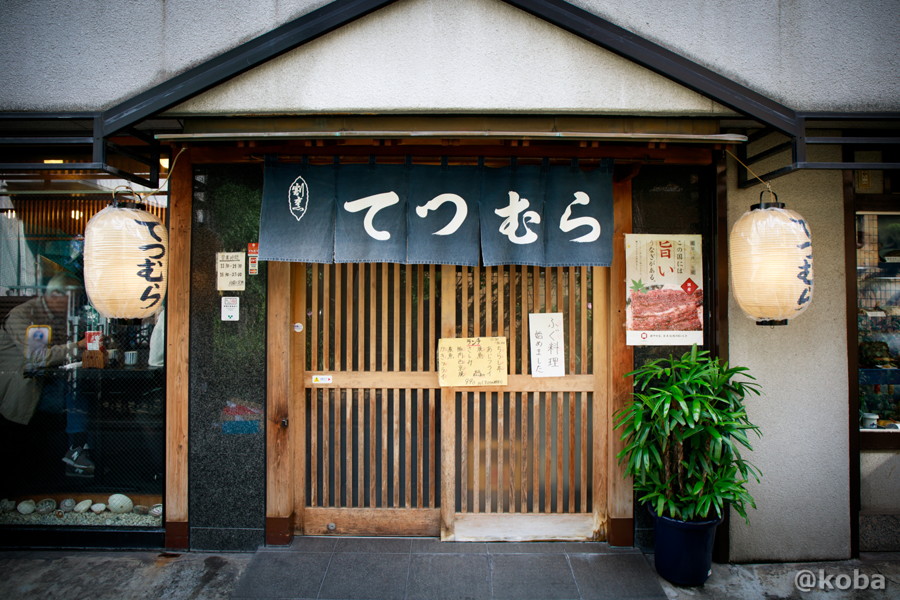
<point>86,518</point>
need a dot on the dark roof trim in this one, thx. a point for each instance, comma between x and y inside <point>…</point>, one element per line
<point>234,62</point>
<point>664,62</point>
<point>341,12</point>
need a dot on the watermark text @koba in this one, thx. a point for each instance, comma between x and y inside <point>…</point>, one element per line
<point>807,580</point>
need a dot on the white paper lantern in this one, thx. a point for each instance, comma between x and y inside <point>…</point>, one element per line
<point>771,263</point>
<point>126,253</point>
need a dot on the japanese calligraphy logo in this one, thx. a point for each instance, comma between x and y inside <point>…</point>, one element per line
<point>298,197</point>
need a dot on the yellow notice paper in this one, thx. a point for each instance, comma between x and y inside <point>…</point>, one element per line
<point>467,362</point>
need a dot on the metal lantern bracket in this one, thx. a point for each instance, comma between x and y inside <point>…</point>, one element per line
<point>764,205</point>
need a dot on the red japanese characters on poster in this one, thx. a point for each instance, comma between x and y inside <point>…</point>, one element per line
<point>664,294</point>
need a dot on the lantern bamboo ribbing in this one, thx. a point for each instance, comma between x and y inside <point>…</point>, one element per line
<point>771,264</point>
<point>125,262</point>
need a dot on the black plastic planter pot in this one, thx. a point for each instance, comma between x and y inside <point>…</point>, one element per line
<point>684,550</point>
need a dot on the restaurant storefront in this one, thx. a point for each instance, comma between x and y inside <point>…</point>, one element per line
<point>369,440</point>
<point>335,247</point>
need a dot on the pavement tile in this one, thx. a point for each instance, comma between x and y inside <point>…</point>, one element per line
<point>312,544</point>
<point>283,575</point>
<point>392,545</point>
<point>615,577</point>
<point>366,576</point>
<point>449,577</point>
<point>532,577</point>
<point>526,547</point>
<point>436,546</point>
<point>597,548</point>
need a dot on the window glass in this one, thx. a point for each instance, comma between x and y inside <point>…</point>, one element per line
<point>878,317</point>
<point>82,435</point>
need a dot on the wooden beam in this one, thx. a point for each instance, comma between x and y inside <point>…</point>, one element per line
<point>279,468</point>
<point>494,527</point>
<point>429,380</point>
<point>177,352</point>
<point>372,521</point>
<point>621,502</point>
<point>298,392</point>
<point>292,151</point>
<point>601,420</point>
<point>448,410</point>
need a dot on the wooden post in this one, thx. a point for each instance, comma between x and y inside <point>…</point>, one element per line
<point>621,357</point>
<point>298,392</point>
<point>448,409</point>
<point>279,500</point>
<point>600,425</point>
<point>177,351</point>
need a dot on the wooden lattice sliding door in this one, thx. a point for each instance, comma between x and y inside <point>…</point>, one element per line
<point>370,461</point>
<point>524,459</point>
<point>383,450</point>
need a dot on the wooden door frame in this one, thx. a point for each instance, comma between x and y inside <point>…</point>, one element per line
<point>612,508</point>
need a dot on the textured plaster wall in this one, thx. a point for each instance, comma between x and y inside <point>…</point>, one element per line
<point>809,54</point>
<point>880,482</point>
<point>91,54</point>
<point>464,56</point>
<point>803,499</point>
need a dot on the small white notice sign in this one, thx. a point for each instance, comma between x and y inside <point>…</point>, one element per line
<point>230,272</point>
<point>548,347</point>
<point>322,379</point>
<point>231,308</point>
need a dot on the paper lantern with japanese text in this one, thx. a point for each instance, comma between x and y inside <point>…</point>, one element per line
<point>770,252</point>
<point>125,262</point>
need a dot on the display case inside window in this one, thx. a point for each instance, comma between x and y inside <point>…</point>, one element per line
<point>878,319</point>
<point>82,397</point>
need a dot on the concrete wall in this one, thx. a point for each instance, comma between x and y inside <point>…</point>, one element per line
<point>810,54</point>
<point>92,54</point>
<point>879,482</point>
<point>804,499</point>
<point>460,57</point>
<point>879,515</point>
<point>807,54</point>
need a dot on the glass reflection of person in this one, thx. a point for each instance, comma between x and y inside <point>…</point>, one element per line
<point>22,391</point>
<point>158,341</point>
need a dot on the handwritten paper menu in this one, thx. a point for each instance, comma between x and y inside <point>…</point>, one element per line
<point>472,361</point>
<point>230,272</point>
<point>548,348</point>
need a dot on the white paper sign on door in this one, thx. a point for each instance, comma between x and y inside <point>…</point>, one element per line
<point>230,272</point>
<point>548,347</point>
<point>231,308</point>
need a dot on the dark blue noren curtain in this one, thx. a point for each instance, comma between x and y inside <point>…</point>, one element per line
<point>579,214</point>
<point>544,215</point>
<point>371,213</point>
<point>443,215</point>
<point>512,221</point>
<point>296,221</point>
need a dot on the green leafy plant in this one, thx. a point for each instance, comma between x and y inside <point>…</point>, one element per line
<point>683,431</point>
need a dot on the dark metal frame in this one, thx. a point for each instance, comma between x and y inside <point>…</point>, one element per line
<point>100,148</point>
<point>798,145</point>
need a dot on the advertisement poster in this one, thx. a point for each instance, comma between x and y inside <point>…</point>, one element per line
<point>664,297</point>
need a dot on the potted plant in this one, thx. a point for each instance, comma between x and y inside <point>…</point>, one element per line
<point>683,431</point>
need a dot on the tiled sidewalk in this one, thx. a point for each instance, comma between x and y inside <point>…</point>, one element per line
<point>420,569</point>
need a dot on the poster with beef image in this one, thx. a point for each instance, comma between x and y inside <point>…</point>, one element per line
<point>664,293</point>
